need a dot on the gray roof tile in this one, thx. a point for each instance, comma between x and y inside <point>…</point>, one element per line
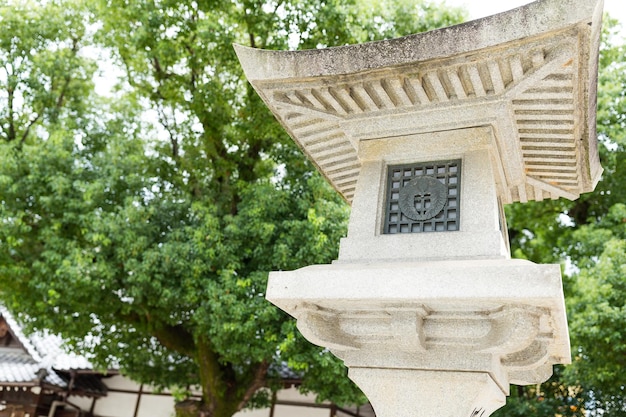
<point>42,350</point>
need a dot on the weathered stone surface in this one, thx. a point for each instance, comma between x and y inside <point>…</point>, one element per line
<point>444,394</point>
<point>482,232</point>
<point>440,323</point>
<point>530,74</point>
<point>467,328</point>
<point>503,317</point>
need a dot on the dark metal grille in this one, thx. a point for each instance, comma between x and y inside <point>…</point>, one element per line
<point>423,197</point>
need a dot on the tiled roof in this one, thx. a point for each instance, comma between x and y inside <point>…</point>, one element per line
<point>19,334</point>
<point>15,356</point>
<point>42,356</point>
<point>84,384</point>
<point>18,372</point>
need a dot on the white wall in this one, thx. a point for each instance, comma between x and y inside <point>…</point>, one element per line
<point>117,404</point>
<point>152,404</point>
<point>156,406</point>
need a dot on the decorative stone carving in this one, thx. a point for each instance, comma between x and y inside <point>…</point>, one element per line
<point>422,198</point>
<point>501,321</point>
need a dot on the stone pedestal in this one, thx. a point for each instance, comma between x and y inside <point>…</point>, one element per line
<point>427,137</point>
<point>445,394</point>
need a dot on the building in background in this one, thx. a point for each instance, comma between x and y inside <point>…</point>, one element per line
<point>38,378</point>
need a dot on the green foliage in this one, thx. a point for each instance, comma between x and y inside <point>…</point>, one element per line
<point>149,246</point>
<point>42,75</point>
<point>597,313</point>
<point>338,22</point>
<point>548,399</point>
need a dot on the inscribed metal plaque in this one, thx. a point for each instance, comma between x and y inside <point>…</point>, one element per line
<point>423,197</point>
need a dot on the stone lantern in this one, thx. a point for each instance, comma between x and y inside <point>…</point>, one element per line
<point>427,136</point>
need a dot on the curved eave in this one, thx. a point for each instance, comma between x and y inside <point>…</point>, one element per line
<point>538,61</point>
<point>533,19</point>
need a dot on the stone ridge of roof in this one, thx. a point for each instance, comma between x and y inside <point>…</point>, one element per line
<point>532,19</point>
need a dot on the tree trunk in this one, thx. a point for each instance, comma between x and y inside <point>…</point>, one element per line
<point>195,408</point>
<point>217,399</point>
<point>189,408</point>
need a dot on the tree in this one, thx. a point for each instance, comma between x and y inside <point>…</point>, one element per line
<point>598,306</point>
<point>42,76</point>
<point>588,237</point>
<point>150,246</point>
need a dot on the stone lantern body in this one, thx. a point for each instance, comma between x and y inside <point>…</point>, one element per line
<point>427,137</point>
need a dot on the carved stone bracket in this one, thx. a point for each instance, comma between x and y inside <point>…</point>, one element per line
<point>475,326</point>
<point>509,341</point>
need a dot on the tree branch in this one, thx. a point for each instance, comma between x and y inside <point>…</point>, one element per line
<point>11,134</point>
<point>257,383</point>
<point>170,130</point>
<point>252,42</point>
<point>175,338</point>
<point>67,78</point>
<point>27,130</point>
<point>156,64</point>
<point>61,97</point>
